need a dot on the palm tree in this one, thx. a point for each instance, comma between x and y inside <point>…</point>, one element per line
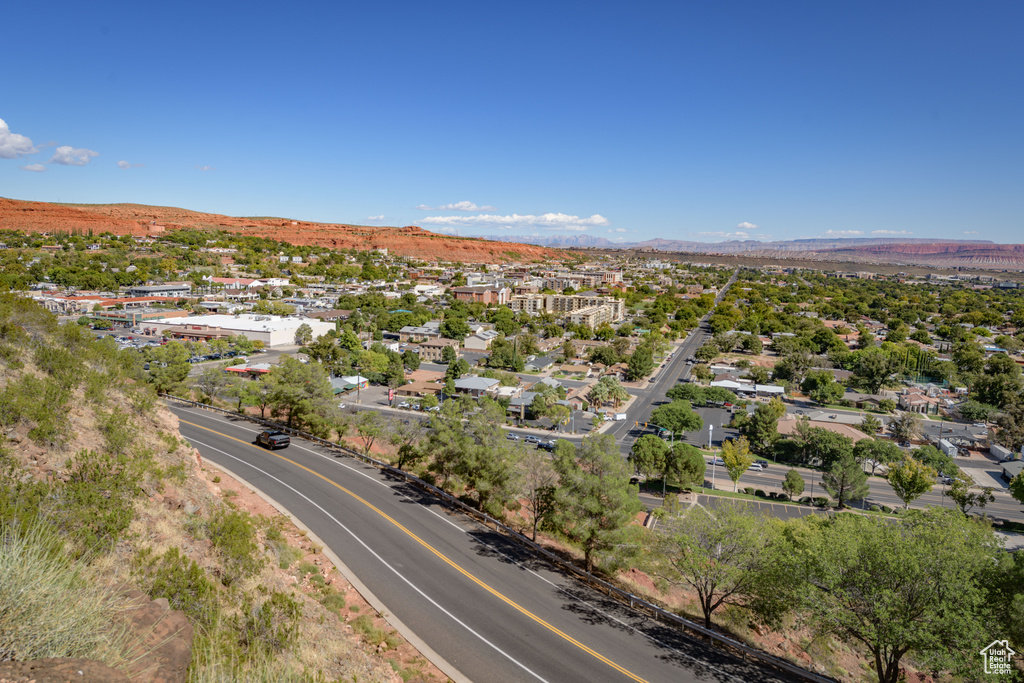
<point>598,394</point>
<point>615,391</point>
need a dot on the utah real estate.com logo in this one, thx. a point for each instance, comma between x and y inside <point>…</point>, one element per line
<point>997,656</point>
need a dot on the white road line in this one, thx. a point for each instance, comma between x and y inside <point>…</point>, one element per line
<point>498,551</point>
<point>382,561</point>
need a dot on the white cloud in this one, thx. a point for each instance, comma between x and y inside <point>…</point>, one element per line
<point>621,230</point>
<point>842,233</point>
<point>747,226</point>
<point>375,218</point>
<point>891,232</point>
<point>457,206</point>
<point>738,235</point>
<point>35,168</point>
<point>547,221</point>
<point>125,165</point>
<point>13,145</point>
<point>69,156</point>
<point>970,232</point>
<point>205,168</point>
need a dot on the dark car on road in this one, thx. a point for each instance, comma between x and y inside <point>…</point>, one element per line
<point>273,440</point>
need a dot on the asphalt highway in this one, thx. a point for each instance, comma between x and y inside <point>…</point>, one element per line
<point>491,610</point>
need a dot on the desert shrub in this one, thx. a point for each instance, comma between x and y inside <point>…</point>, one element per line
<point>21,497</point>
<point>805,500</point>
<point>96,504</point>
<point>60,363</point>
<point>363,625</point>
<point>875,508</point>
<point>759,493</point>
<point>118,431</point>
<point>174,576</point>
<point>97,385</point>
<point>749,490</point>
<point>783,496</point>
<point>49,604</point>
<point>886,509</point>
<point>270,628</point>
<point>820,501</point>
<point>234,535</point>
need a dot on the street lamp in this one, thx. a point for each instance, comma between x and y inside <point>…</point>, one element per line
<point>714,460</point>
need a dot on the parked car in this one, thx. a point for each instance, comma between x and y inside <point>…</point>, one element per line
<point>341,405</point>
<point>403,404</point>
<point>273,440</point>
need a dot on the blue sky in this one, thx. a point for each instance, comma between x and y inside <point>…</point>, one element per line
<point>681,120</point>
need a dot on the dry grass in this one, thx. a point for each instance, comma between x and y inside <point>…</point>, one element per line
<point>54,606</point>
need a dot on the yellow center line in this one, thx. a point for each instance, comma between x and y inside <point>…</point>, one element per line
<point>508,601</point>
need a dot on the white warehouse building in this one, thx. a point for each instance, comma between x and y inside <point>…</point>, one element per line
<point>272,330</point>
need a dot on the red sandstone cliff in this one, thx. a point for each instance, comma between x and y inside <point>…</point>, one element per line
<point>137,219</point>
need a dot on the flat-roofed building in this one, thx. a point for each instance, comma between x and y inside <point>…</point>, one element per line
<point>272,330</point>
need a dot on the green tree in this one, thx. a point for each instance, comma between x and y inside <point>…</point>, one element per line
<point>960,493</point>
<point>870,424</point>
<point>1017,488</point>
<point>536,478</point>
<point>737,457</point>
<point>369,426</point>
<point>821,386</point>
<point>874,367</point>
<point>449,355</point>
<point>641,363</point>
<point>875,452</point>
<point>762,428</point>
<point>648,456</point>
<point>905,427</point>
<point>685,464</point>
<point>793,484</point>
<point>688,391</point>
<point>887,405</point>
<point>915,587</point>
<point>707,353</point>
<point>911,479</point>
<point>168,368</point>
<point>846,481</point>
<point>677,417</point>
<point>595,500</point>
<point>304,334</point>
<point>936,459</point>
<point>717,553</point>
<point>300,391</point>
<point>215,381</point>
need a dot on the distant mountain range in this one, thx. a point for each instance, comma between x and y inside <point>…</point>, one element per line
<point>730,247</point>
<point>862,250</point>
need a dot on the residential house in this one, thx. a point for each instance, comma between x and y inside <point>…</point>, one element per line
<point>476,386</point>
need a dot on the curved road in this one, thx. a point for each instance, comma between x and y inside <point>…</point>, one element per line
<point>493,611</point>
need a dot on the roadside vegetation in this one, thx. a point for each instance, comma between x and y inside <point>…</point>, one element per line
<point>98,493</point>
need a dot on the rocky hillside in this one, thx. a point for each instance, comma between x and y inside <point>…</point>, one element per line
<point>117,544</point>
<point>137,219</point>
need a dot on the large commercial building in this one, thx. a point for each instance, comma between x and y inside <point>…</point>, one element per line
<point>272,330</point>
<point>597,308</point>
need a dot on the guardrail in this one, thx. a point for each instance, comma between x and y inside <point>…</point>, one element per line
<point>635,602</point>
